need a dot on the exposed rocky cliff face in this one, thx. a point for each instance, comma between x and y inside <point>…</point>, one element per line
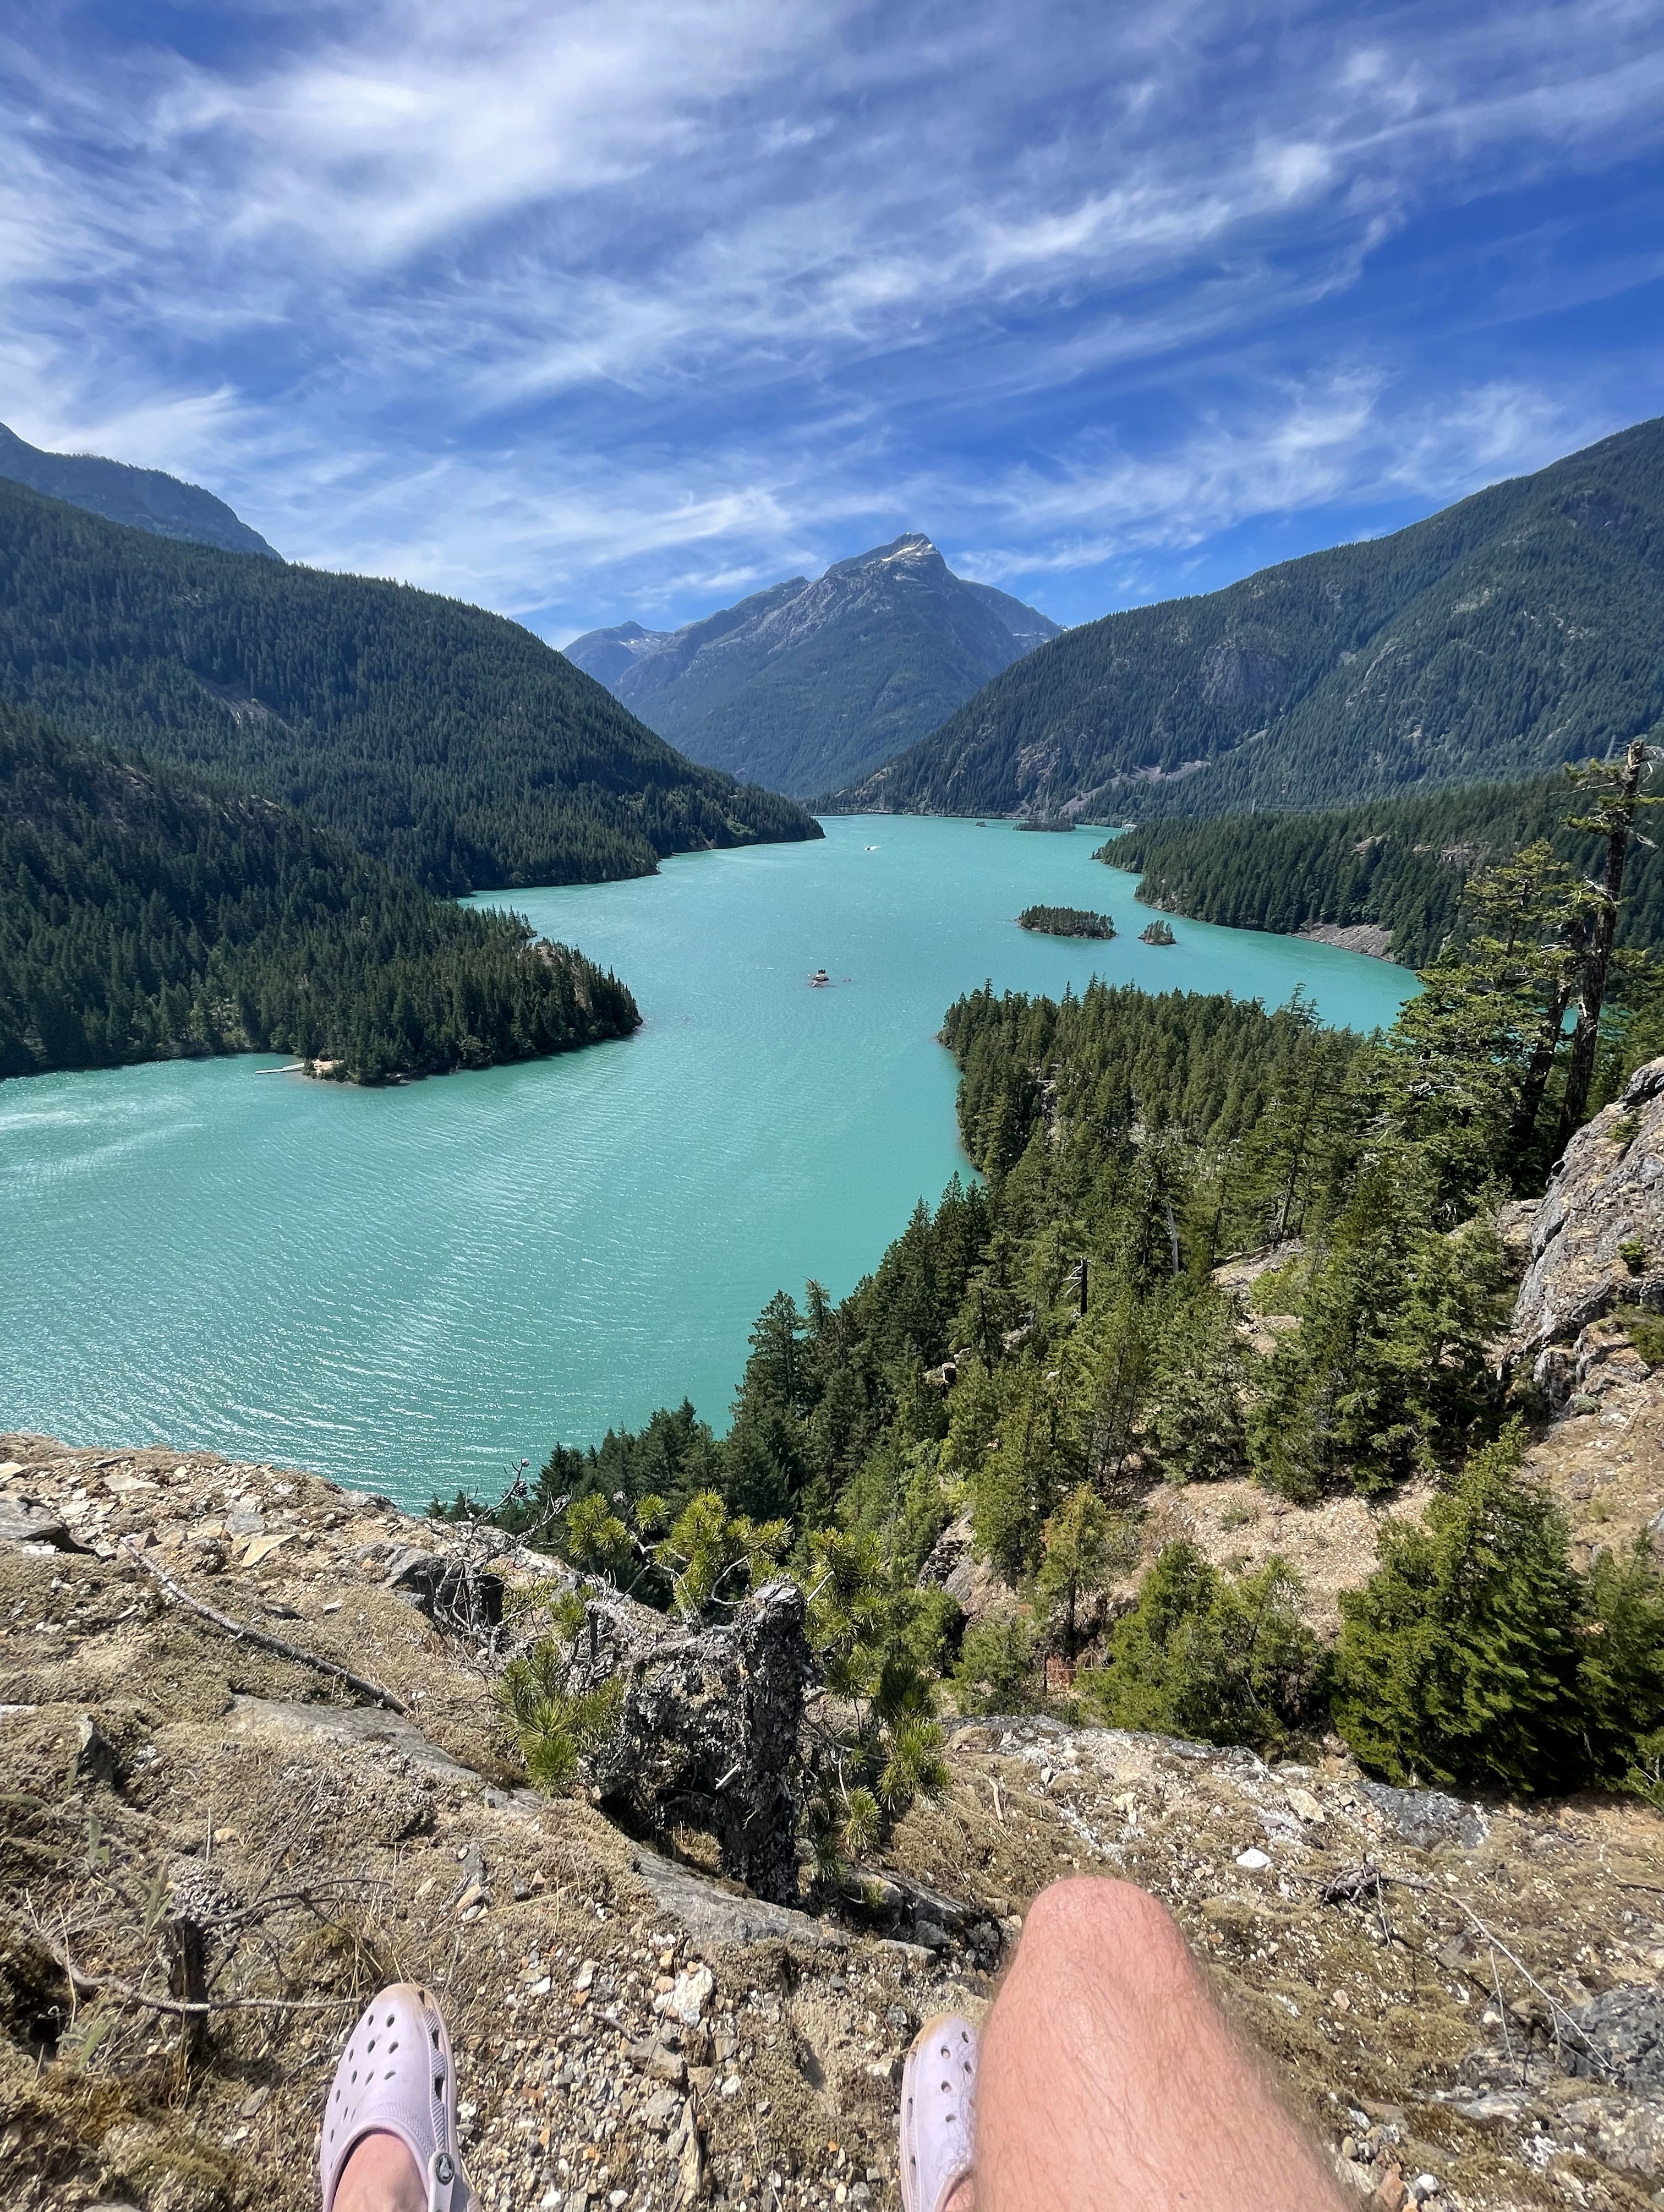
<point>1598,1236</point>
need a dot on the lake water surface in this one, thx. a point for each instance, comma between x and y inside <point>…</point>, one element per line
<point>409,1288</point>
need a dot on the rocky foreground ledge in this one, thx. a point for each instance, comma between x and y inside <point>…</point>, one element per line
<point>192,1818</point>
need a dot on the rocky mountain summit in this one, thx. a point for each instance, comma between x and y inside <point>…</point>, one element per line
<point>806,685</point>
<point>1399,663</point>
<point>255,1766</point>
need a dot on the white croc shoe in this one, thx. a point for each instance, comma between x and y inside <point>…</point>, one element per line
<point>396,2076</point>
<point>938,2111</point>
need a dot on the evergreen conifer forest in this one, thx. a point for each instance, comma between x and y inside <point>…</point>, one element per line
<point>1400,863</point>
<point>448,741</point>
<point>1066,922</point>
<point>146,914</point>
<point>1050,1347</point>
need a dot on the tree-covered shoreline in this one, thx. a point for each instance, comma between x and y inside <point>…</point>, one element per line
<point>1402,864</point>
<point>447,741</point>
<point>1500,638</point>
<point>147,914</point>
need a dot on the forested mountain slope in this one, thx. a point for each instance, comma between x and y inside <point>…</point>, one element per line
<point>446,740</point>
<point>148,915</point>
<point>145,498</point>
<point>806,686</point>
<point>1512,632</point>
<point>1400,863</point>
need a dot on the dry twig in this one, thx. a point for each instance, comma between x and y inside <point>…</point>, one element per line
<point>85,1984</point>
<point>1357,1883</point>
<point>246,1632</point>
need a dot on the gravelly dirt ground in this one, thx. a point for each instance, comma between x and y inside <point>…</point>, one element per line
<point>633,2033</point>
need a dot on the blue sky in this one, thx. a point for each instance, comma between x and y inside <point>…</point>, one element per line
<point>597,311</point>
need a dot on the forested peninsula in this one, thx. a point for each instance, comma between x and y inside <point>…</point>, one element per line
<point>1402,864</point>
<point>448,741</point>
<point>146,913</point>
<point>1032,1367</point>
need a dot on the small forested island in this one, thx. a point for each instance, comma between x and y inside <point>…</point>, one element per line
<point>146,913</point>
<point>1157,932</point>
<point>1047,822</point>
<point>1066,922</point>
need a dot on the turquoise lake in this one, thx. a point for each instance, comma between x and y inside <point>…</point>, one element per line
<point>412,1289</point>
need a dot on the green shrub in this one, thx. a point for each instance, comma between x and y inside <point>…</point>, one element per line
<point>997,1669</point>
<point>1213,1657</point>
<point>1278,1290</point>
<point>555,1729</point>
<point>875,1745</point>
<point>1458,1660</point>
<point>1645,1332</point>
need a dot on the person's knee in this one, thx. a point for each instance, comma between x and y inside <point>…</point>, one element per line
<point>1113,1932</point>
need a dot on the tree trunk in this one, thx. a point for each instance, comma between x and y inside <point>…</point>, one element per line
<point>1538,1070</point>
<point>1618,815</point>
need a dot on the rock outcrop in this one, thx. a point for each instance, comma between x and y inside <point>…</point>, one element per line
<point>708,1735</point>
<point>1597,1240</point>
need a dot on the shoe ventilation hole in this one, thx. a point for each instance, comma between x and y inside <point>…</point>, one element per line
<point>438,2085</point>
<point>435,2033</point>
<point>392,2047</point>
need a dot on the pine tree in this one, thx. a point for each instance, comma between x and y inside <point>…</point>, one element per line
<point>1085,1545</point>
<point>1458,1660</point>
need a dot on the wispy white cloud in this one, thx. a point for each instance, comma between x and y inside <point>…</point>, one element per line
<point>597,305</point>
<point>1355,437</point>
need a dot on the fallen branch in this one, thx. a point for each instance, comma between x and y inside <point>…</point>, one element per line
<point>246,1632</point>
<point>105,1985</point>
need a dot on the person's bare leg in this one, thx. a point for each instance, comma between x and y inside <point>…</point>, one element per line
<point>381,2176</point>
<point>1109,2080</point>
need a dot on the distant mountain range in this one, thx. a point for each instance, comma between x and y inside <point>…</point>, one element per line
<point>1513,631</point>
<point>808,686</point>
<point>447,741</point>
<point>144,499</point>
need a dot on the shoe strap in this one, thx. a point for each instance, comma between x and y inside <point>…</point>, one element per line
<point>447,2190</point>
